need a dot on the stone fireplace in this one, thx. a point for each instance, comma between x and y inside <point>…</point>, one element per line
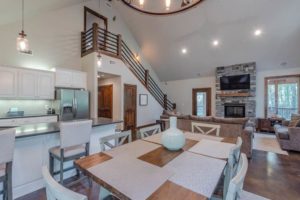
<point>234,110</point>
<point>236,103</point>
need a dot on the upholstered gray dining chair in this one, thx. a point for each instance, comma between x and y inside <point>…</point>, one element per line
<point>74,144</point>
<point>7,146</point>
<point>55,191</point>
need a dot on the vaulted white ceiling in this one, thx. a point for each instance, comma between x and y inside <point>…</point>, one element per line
<point>10,10</point>
<point>232,22</point>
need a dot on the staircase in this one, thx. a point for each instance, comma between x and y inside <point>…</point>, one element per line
<point>97,39</point>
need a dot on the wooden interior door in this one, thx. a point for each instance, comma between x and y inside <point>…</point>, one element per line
<point>202,101</point>
<point>105,101</point>
<point>130,108</point>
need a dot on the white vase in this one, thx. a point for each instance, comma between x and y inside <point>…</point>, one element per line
<point>173,138</point>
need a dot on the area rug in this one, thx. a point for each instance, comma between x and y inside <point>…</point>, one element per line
<point>266,142</point>
<point>250,196</point>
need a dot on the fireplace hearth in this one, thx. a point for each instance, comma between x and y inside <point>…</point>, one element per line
<point>234,110</point>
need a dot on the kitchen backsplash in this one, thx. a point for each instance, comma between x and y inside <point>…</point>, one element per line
<point>28,106</point>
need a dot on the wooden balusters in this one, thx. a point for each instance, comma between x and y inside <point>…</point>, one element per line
<point>119,45</point>
<point>95,37</point>
<point>146,78</point>
<point>165,102</point>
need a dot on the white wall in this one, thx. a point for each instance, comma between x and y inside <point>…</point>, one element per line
<point>117,95</point>
<point>180,92</point>
<point>260,93</point>
<point>145,114</point>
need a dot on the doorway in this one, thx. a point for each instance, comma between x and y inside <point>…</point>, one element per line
<point>202,101</point>
<point>130,108</point>
<point>105,101</point>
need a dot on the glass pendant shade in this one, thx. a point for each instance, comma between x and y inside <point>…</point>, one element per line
<point>99,60</point>
<point>22,43</point>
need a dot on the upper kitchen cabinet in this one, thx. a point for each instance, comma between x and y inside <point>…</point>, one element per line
<point>45,87</point>
<point>8,82</point>
<point>27,81</point>
<point>70,79</point>
<point>26,84</point>
<point>35,84</point>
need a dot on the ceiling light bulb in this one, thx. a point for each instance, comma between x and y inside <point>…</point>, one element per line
<point>168,4</point>
<point>184,50</point>
<point>257,32</point>
<point>99,62</point>
<point>142,2</point>
<point>22,44</point>
<point>216,42</point>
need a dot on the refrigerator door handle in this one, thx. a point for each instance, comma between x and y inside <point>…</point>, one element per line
<point>76,107</point>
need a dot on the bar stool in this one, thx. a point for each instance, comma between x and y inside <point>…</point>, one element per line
<point>74,144</point>
<point>7,144</point>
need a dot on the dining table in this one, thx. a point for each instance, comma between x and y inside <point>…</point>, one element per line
<point>145,169</point>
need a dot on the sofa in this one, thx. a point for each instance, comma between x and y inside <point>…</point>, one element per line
<point>288,134</point>
<point>230,127</point>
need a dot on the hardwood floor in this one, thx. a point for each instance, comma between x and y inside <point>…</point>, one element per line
<point>271,175</point>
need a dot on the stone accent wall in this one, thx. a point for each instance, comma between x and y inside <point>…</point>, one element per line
<point>249,101</point>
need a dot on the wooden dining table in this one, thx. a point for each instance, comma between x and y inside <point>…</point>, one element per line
<point>152,153</point>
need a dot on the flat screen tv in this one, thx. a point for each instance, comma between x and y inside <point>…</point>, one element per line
<point>238,82</point>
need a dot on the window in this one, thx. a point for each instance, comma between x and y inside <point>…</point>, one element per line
<point>282,96</point>
<point>202,101</point>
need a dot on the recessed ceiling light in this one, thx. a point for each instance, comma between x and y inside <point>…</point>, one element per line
<point>184,50</point>
<point>257,32</point>
<point>215,42</point>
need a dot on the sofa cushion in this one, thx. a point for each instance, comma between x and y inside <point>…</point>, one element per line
<point>298,123</point>
<point>230,120</point>
<point>203,119</point>
<point>294,120</point>
<point>283,133</point>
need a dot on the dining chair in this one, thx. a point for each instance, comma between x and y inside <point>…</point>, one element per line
<point>206,129</point>
<point>232,164</point>
<point>7,146</point>
<point>115,140</point>
<point>235,189</point>
<point>149,130</point>
<point>55,191</point>
<point>74,144</point>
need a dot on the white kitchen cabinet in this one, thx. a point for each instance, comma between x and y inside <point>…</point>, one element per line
<point>79,80</point>
<point>63,78</point>
<point>70,79</point>
<point>8,82</point>
<point>45,85</point>
<point>27,82</point>
<point>27,120</point>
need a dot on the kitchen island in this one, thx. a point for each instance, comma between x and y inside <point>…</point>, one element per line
<point>31,151</point>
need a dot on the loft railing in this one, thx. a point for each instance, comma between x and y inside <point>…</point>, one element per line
<point>98,39</point>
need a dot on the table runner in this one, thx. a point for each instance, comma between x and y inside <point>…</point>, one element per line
<point>212,148</point>
<point>133,149</point>
<point>134,178</point>
<point>196,172</point>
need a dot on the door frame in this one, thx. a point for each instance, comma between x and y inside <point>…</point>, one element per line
<point>112,99</point>
<point>88,10</point>
<point>208,100</point>
<point>135,117</point>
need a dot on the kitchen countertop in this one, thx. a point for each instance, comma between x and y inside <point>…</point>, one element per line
<point>26,116</point>
<point>53,127</point>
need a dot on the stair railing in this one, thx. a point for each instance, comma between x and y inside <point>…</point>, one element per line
<point>98,39</point>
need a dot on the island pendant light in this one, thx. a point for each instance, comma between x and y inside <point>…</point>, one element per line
<point>22,42</point>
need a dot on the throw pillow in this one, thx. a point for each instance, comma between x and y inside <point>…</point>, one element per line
<point>294,120</point>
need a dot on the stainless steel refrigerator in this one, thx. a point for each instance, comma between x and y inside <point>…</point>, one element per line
<point>73,104</point>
